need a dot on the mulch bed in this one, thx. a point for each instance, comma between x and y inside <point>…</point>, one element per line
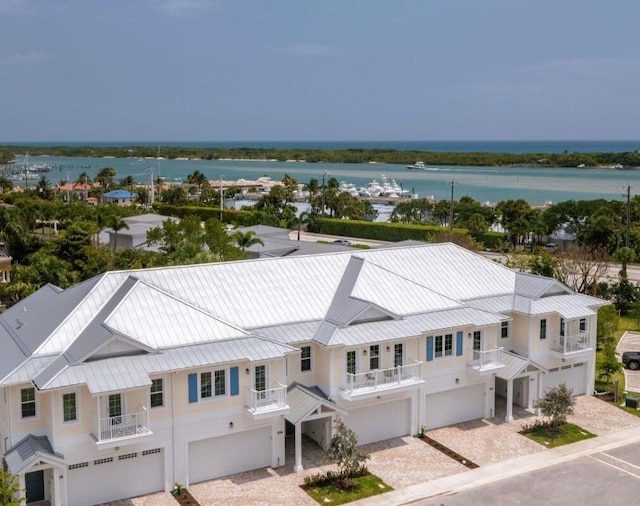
<point>449,452</point>
<point>185,498</point>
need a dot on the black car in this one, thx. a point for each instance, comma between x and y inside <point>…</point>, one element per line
<point>631,359</point>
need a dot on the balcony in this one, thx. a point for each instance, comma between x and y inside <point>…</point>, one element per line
<point>367,384</point>
<point>267,403</point>
<point>118,430</point>
<point>571,345</point>
<point>487,361</point>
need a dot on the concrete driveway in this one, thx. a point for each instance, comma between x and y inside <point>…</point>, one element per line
<point>630,341</point>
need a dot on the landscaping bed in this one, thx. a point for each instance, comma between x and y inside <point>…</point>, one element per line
<point>448,452</point>
<point>184,497</point>
<point>364,486</point>
<point>551,437</point>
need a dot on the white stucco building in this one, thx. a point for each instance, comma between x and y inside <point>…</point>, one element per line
<point>134,380</point>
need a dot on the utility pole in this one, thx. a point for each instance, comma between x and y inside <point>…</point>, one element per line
<point>67,185</point>
<point>626,237</point>
<point>451,207</point>
<point>323,176</point>
<point>221,197</point>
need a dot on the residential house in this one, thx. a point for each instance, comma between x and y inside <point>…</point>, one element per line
<point>119,197</point>
<point>134,380</point>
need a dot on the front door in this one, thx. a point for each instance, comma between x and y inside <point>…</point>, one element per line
<point>260,381</point>
<point>34,485</point>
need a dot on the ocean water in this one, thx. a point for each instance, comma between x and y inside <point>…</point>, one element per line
<point>485,184</point>
<point>570,146</point>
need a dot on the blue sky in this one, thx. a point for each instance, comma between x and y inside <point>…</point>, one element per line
<point>217,70</point>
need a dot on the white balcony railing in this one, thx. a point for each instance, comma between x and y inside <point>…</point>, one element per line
<point>571,344</point>
<point>380,379</point>
<point>123,426</point>
<point>487,359</point>
<point>268,400</point>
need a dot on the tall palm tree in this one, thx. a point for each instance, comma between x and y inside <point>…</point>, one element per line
<point>117,223</point>
<point>247,239</point>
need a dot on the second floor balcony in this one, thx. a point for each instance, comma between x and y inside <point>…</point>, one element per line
<point>571,344</point>
<point>487,361</point>
<point>117,430</point>
<point>366,384</point>
<point>269,402</point>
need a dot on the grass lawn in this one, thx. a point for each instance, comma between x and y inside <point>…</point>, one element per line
<point>366,486</point>
<point>568,433</point>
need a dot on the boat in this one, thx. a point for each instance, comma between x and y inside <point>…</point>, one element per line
<point>417,166</point>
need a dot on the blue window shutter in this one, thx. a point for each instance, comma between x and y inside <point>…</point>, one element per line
<point>430,348</point>
<point>193,387</point>
<point>458,344</point>
<point>235,381</point>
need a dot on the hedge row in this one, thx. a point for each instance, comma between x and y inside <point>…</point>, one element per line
<point>240,218</point>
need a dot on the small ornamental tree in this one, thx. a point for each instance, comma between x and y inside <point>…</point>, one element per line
<point>343,451</point>
<point>609,365</point>
<point>556,405</point>
<point>9,489</point>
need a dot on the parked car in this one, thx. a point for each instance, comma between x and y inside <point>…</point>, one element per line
<point>631,359</point>
<point>342,242</point>
<point>551,246</point>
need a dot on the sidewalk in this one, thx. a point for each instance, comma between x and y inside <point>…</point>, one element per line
<point>506,469</point>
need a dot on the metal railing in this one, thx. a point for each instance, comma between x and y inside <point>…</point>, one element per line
<point>263,399</point>
<point>571,343</point>
<point>487,359</point>
<point>384,378</point>
<point>125,425</point>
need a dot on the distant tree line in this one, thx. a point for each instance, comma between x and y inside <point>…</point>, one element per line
<point>629,159</point>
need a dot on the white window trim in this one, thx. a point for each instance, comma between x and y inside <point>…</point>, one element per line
<point>310,359</point>
<point>586,325</point>
<point>546,329</point>
<point>214,397</point>
<point>453,346</point>
<point>357,364</point>
<point>164,394</point>
<point>78,410</point>
<point>393,354</point>
<point>370,357</point>
<point>505,324</point>
<point>37,403</point>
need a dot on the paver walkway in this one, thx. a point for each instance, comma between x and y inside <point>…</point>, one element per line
<point>407,463</point>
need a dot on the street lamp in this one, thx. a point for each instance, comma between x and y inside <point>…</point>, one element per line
<point>323,176</point>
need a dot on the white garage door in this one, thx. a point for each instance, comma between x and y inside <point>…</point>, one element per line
<point>225,455</point>
<point>571,375</point>
<point>454,406</point>
<point>116,477</point>
<point>381,421</point>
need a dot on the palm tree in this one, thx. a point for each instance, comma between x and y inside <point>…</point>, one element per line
<point>117,223</point>
<point>247,239</point>
<point>298,221</point>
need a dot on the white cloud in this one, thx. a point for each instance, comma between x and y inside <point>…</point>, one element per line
<point>307,49</point>
<point>29,58</point>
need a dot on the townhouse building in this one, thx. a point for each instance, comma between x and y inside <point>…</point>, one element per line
<point>134,380</point>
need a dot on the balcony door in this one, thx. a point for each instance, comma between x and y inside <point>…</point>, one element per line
<point>260,380</point>
<point>113,408</point>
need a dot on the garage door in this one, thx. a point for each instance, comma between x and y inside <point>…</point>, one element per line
<point>381,421</point>
<point>572,375</point>
<point>221,456</point>
<point>454,406</point>
<point>116,477</point>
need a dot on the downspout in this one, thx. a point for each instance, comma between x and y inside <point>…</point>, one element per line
<point>173,427</point>
<point>330,373</point>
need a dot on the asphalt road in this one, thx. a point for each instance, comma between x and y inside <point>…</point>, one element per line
<point>609,478</point>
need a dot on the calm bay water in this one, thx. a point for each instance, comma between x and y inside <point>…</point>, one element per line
<point>536,185</point>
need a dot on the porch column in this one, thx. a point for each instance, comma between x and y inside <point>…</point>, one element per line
<point>539,392</point>
<point>509,417</point>
<point>57,486</point>
<point>22,493</point>
<point>298,439</point>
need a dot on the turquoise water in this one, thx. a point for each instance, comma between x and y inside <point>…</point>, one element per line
<point>492,184</point>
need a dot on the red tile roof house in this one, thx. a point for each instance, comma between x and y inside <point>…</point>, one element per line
<point>133,380</point>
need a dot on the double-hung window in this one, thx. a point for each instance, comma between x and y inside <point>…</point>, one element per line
<point>305,359</point>
<point>543,328</point>
<point>583,325</point>
<point>443,346</point>
<point>213,384</point>
<point>28,402</point>
<point>504,330</point>
<point>157,393</point>
<point>69,407</point>
<point>477,340</point>
<point>374,357</point>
